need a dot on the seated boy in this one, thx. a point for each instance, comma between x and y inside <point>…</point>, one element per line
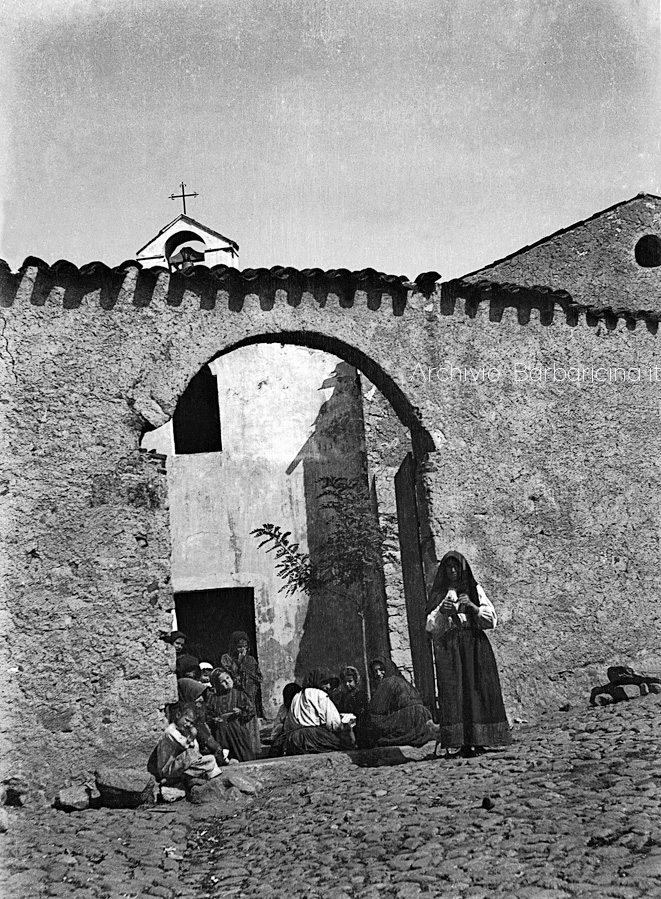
<point>177,755</point>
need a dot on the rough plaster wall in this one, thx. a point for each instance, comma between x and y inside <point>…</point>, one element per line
<point>86,554</point>
<point>594,261</point>
<point>552,492</point>
<point>8,528</point>
<point>616,429</point>
<point>331,635</point>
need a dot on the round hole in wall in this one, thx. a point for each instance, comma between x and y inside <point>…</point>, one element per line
<point>648,251</point>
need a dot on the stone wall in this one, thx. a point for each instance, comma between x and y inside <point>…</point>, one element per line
<point>608,431</point>
<point>86,565</point>
<point>551,490</point>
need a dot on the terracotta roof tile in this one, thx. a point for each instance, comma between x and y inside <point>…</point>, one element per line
<point>501,295</point>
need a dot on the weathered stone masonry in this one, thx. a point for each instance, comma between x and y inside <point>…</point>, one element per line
<point>552,490</point>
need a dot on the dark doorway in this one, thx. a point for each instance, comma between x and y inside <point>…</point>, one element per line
<point>208,618</point>
<point>196,420</point>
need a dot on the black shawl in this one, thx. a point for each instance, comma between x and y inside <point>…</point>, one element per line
<point>466,584</point>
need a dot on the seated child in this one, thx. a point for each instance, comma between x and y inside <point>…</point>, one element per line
<point>177,755</point>
<point>196,692</point>
<point>205,672</point>
<point>351,698</point>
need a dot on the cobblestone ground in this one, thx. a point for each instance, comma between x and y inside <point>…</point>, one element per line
<point>572,809</point>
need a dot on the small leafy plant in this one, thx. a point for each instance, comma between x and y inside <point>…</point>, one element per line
<point>349,558</point>
<point>292,565</point>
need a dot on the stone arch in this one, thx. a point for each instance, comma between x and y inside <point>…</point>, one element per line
<point>162,383</point>
<point>412,657</point>
<point>408,414</point>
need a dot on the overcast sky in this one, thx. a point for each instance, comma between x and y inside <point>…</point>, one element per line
<point>403,135</point>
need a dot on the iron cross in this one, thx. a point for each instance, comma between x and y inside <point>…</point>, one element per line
<point>182,196</point>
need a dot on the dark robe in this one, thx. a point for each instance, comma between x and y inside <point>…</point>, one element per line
<point>245,672</point>
<point>470,701</point>
<point>398,716</point>
<point>469,696</point>
<point>311,740</point>
<point>233,734</point>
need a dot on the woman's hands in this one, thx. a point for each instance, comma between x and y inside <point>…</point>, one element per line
<point>447,605</point>
<point>462,604</point>
<point>466,606</point>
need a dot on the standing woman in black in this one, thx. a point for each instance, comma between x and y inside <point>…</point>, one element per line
<point>470,699</point>
<point>244,670</point>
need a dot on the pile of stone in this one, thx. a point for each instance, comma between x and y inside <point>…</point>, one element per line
<point>115,788</point>
<point>624,684</point>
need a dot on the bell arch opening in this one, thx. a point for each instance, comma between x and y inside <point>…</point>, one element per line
<point>298,412</point>
<point>184,250</point>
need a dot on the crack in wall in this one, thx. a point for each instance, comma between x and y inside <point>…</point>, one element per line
<point>5,350</point>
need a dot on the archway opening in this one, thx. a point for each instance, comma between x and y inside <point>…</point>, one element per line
<point>292,417</point>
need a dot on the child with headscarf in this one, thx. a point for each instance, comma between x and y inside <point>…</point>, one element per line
<point>205,672</point>
<point>313,723</point>
<point>469,695</point>
<point>187,666</point>
<point>178,640</point>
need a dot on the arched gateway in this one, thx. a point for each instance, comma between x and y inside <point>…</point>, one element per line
<point>535,422</point>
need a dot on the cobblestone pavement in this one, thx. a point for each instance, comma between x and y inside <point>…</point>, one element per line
<point>572,808</point>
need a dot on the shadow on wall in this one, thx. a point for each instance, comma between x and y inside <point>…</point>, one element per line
<point>331,634</point>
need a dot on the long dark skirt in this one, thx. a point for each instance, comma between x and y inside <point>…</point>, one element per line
<point>470,699</point>
<point>235,737</point>
<point>306,740</point>
<point>397,714</point>
<point>405,727</point>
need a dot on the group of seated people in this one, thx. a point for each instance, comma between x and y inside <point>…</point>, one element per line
<point>215,721</point>
<point>329,713</point>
